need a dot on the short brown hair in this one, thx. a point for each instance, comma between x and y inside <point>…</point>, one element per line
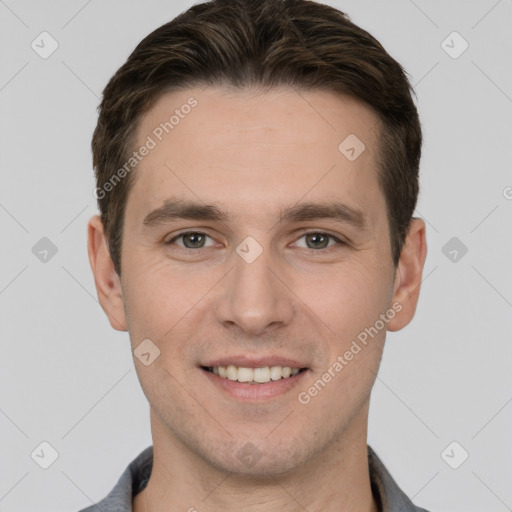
<point>263,43</point>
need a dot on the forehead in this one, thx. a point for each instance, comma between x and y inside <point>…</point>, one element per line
<point>249,149</point>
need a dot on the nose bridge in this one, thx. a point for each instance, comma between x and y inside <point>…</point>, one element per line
<point>253,297</point>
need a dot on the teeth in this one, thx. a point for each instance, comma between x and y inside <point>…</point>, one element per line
<point>261,374</point>
<point>255,375</point>
<point>245,375</point>
<point>232,372</point>
<point>276,372</point>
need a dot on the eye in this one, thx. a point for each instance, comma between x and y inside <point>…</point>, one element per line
<point>191,240</point>
<point>319,240</point>
<point>196,240</point>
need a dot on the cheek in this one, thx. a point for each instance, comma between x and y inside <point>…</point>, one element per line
<point>155,297</point>
<point>349,301</point>
<point>167,304</point>
<point>348,298</point>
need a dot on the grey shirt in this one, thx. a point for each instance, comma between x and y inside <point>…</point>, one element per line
<point>389,497</point>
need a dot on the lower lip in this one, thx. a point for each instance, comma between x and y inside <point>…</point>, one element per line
<point>254,392</point>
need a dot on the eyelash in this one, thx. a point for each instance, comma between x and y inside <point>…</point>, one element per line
<point>188,249</point>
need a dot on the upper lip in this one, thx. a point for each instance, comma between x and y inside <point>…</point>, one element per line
<point>255,362</point>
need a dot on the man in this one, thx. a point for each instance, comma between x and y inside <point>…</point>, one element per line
<point>257,172</point>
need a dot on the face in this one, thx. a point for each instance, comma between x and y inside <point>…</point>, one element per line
<point>250,276</point>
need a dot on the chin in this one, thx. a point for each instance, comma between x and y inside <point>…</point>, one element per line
<point>259,460</point>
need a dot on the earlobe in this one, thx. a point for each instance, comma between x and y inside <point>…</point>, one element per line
<point>108,284</point>
<point>409,275</point>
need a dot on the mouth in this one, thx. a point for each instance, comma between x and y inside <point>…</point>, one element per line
<point>254,378</point>
<point>257,381</point>
<point>259,375</point>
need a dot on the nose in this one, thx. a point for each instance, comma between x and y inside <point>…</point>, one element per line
<point>255,296</point>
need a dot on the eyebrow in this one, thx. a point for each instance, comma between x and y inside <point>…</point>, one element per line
<point>173,210</point>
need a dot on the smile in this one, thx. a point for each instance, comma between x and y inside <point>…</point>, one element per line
<point>254,385</point>
<point>260,375</point>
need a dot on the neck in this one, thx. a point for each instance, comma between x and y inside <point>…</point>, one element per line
<point>336,480</point>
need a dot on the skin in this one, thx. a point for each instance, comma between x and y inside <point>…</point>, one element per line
<point>252,154</point>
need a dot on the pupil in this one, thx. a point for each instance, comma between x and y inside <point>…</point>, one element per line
<point>316,236</point>
<point>192,236</point>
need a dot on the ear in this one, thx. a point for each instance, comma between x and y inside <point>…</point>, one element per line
<point>409,273</point>
<point>108,284</point>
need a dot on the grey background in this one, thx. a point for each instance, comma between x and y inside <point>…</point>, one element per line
<point>67,378</point>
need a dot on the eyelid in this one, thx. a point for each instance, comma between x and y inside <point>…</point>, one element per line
<point>304,232</point>
<point>339,241</point>
<point>183,233</point>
